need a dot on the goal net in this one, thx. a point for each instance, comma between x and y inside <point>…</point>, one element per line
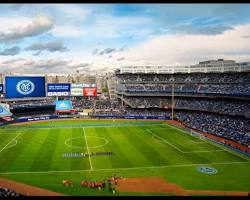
<point>197,134</point>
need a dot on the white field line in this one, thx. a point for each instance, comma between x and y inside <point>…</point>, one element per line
<point>172,145</point>
<point>198,142</point>
<point>171,128</point>
<point>128,168</point>
<point>213,143</point>
<point>9,133</point>
<point>87,149</point>
<point>165,141</point>
<point>10,146</point>
<point>10,142</point>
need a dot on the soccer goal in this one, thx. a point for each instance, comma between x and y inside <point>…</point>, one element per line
<point>197,134</point>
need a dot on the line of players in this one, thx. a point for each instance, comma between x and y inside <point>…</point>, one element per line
<point>110,182</point>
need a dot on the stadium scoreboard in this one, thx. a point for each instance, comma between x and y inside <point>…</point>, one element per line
<point>35,86</point>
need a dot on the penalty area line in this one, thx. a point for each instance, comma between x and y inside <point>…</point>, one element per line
<point>128,168</point>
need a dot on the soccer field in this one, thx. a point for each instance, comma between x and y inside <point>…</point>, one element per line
<point>34,154</point>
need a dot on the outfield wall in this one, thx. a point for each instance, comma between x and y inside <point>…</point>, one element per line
<point>131,117</point>
<point>51,117</point>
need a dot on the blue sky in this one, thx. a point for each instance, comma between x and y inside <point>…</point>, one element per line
<point>64,38</point>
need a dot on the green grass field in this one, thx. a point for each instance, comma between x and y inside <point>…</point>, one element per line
<point>33,154</point>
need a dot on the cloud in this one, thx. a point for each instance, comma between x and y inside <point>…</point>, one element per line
<point>186,49</point>
<point>107,51</point>
<point>119,59</point>
<point>201,29</point>
<point>246,36</point>
<point>10,51</point>
<point>15,7</point>
<point>44,66</point>
<point>68,31</point>
<point>111,27</point>
<point>38,26</point>
<point>49,46</point>
<point>49,64</point>
<point>12,61</point>
<point>95,51</point>
<point>81,66</point>
<point>72,12</point>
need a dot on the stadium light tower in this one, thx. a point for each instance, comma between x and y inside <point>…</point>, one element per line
<point>173,101</point>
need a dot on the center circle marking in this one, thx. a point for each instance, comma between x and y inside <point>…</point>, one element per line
<point>84,147</point>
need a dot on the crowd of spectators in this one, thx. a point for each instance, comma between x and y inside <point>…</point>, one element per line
<point>219,116</point>
<point>31,103</point>
<point>224,106</point>
<point>148,102</point>
<point>186,78</point>
<point>107,105</point>
<point>147,112</point>
<point>234,128</point>
<point>83,103</point>
<point>224,89</point>
<point>5,192</point>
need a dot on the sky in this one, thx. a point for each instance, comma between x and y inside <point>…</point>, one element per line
<point>88,38</point>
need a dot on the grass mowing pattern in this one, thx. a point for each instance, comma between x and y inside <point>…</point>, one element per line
<point>141,149</point>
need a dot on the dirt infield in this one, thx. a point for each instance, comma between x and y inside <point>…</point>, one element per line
<point>26,189</point>
<point>160,185</point>
<point>149,184</point>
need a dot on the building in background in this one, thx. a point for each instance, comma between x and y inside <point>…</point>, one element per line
<point>111,85</point>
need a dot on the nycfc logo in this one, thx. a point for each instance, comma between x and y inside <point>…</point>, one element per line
<point>207,170</point>
<point>25,87</point>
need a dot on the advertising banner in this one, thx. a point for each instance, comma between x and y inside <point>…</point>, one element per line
<point>87,92</point>
<point>82,85</point>
<point>133,117</point>
<point>76,89</point>
<point>1,88</point>
<point>58,89</point>
<point>24,86</point>
<point>76,92</point>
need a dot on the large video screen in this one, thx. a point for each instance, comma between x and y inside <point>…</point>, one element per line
<point>58,89</point>
<point>24,86</point>
<point>64,105</point>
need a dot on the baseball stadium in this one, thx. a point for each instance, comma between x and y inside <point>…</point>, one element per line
<point>124,100</point>
<point>181,134</point>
